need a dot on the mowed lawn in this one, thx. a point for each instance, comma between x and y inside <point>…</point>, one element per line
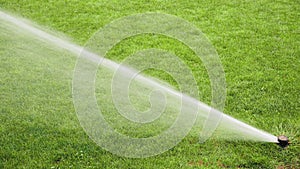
<point>257,42</point>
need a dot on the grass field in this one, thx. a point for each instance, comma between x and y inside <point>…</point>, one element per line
<point>258,44</point>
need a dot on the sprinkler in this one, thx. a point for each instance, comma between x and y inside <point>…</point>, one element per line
<point>283,141</point>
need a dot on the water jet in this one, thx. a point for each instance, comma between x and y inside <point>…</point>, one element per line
<point>239,129</point>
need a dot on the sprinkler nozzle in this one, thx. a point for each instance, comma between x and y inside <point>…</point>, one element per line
<point>283,141</point>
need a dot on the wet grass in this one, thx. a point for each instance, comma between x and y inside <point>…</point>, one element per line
<point>258,43</point>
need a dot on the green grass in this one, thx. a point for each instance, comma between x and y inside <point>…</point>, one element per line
<point>258,44</point>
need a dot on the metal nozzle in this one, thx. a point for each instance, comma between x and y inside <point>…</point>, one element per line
<point>283,141</point>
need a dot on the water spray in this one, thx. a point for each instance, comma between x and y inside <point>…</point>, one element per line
<point>231,123</point>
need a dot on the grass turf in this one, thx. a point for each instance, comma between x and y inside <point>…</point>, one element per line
<point>258,43</point>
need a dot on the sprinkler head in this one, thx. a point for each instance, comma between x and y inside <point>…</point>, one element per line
<point>283,141</point>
